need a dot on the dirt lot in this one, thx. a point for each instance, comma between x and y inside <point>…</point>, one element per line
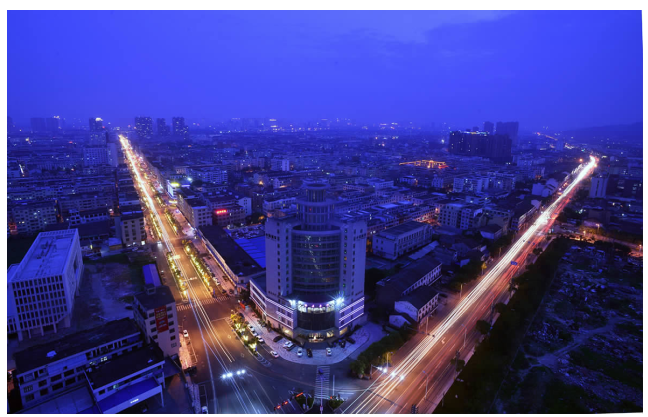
<point>107,288</point>
<point>583,353</point>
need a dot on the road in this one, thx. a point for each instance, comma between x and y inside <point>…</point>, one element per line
<point>266,381</point>
<point>422,371</point>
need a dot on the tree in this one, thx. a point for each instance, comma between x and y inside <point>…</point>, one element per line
<point>501,308</point>
<point>483,326</point>
<point>358,367</point>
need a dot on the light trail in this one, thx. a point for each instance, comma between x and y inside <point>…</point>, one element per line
<point>198,309</point>
<point>414,358</point>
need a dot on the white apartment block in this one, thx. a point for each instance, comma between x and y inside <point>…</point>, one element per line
<point>216,175</point>
<point>460,216</point>
<point>197,213</point>
<point>96,155</point>
<point>33,217</point>
<point>280,164</point>
<point>397,241</point>
<point>470,184</point>
<point>41,289</point>
<point>130,228</point>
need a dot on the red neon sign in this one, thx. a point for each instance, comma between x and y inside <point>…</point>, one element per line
<point>221,211</point>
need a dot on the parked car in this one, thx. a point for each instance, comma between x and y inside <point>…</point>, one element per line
<point>223,292</point>
<point>250,327</point>
<point>309,353</point>
<point>274,354</point>
<point>185,333</point>
<point>299,352</point>
<point>328,352</point>
<point>260,340</point>
<point>291,347</point>
<point>278,338</point>
<point>254,333</point>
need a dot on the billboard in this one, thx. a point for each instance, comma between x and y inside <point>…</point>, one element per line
<point>161,320</point>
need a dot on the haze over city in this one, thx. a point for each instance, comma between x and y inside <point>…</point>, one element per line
<point>340,212</point>
<point>562,69</point>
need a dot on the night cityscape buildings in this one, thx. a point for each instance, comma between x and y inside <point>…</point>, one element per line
<point>333,226</point>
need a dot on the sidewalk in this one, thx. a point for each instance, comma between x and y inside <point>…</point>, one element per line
<point>367,334</point>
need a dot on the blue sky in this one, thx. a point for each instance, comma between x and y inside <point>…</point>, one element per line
<point>560,69</point>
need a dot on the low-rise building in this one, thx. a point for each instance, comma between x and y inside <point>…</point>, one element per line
<point>399,240</point>
<point>419,304</point>
<point>154,311</point>
<point>130,228</point>
<point>423,272</point>
<point>47,370</point>
<point>33,217</point>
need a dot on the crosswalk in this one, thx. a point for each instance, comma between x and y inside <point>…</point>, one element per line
<point>206,301</point>
<point>322,382</point>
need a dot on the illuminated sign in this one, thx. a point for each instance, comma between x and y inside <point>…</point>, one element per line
<point>161,320</point>
<point>221,211</point>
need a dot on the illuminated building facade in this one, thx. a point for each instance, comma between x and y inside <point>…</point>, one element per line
<point>314,283</point>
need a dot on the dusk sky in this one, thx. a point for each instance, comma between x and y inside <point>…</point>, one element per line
<point>561,69</point>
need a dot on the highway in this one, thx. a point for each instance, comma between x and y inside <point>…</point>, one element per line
<point>422,371</point>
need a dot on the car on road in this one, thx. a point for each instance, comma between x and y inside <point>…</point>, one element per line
<point>278,338</point>
<point>328,352</point>
<point>250,327</point>
<point>254,333</point>
<point>274,354</point>
<point>185,333</point>
<point>309,353</point>
<point>223,292</point>
<point>291,347</point>
<point>288,345</point>
<point>231,292</point>
<point>300,352</point>
<point>260,340</point>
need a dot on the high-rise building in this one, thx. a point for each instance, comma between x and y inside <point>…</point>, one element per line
<point>38,124</point>
<point>496,147</point>
<point>144,127</point>
<point>41,289</point>
<point>163,129</point>
<point>314,282</point>
<point>52,124</point>
<point>510,129</point>
<point>96,124</point>
<point>179,127</point>
<point>489,127</point>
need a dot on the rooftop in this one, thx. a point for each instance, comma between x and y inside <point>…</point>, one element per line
<point>161,297</point>
<point>125,365</point>
<point>421,296</point>
<point>46,257</point>
<point>402,229</point>
<point>413,272</point>
<point>238,260</point>
<point>36,356</point>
